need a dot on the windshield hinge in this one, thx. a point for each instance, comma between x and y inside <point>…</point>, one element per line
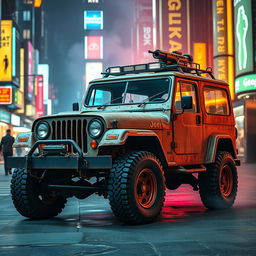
<point>173,116</point>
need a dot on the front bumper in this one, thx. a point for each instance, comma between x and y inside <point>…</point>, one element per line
<point>77,161</point>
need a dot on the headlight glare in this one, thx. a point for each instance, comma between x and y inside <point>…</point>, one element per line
<point>95,128</point>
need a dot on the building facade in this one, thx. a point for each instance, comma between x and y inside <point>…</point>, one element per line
<point>22,50</point>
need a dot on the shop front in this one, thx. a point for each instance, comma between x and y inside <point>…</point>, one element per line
<point>245,116</point>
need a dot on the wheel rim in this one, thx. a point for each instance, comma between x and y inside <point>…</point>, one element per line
<point>146,188</point>
<point>226,181</point>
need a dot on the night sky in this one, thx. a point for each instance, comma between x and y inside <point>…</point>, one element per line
<point>64,21</point>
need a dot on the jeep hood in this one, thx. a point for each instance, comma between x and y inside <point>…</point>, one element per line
<point>121,120</point>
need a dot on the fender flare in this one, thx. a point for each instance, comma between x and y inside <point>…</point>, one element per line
<point>118,137</point>
<point>212,146</point>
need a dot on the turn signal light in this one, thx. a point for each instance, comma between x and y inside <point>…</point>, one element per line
<point>94,144</point>
<point>22,139</point>
<point>112,137</point>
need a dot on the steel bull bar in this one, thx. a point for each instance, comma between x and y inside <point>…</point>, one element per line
<point>76,161</point>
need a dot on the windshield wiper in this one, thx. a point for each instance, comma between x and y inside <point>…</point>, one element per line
<point>109,102</point>
<point>149,98</point>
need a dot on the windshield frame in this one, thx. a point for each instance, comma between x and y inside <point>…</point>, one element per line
<point>107,104</point>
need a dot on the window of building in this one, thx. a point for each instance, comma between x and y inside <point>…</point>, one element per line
<point>216,101</point>
<point>186,89</point>
<point>26,33</point>
<point>26,15</point>
<point>28,1</point>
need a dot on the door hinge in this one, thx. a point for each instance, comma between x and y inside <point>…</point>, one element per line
<point>173,145</point>
<point>173,116</point>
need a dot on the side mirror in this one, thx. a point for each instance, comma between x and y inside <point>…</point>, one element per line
<point>186,102</point>
<point>75,106</point>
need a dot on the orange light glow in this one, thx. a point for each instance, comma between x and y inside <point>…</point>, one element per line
<point>22,139</point>
<point>37,3</point>
<point>112,137</point>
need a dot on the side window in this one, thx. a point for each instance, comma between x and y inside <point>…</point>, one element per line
<point>186,89</point>
<point>216,101</point>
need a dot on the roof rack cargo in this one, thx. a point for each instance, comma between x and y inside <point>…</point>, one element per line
<point>174,61</point>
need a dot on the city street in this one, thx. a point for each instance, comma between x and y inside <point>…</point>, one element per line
<point>88,227</point>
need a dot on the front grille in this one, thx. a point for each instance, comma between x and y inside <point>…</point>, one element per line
<point>71,129</point>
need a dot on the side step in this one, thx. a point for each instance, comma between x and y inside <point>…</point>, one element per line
<point>200,168</point>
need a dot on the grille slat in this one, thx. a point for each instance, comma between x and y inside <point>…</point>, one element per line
<point>71,129</point>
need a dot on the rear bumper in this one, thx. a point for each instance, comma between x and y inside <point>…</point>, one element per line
<point>76,161</point>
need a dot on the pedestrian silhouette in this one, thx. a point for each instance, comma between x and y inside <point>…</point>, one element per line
<point>6,148</point>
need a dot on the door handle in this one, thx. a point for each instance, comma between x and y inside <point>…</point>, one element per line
<point>198,120</point>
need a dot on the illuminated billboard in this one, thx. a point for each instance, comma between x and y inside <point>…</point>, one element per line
<point>245,83</point>
<point>144,42</point>
<point>173,28</point>
<point>93,20</point>
<point>43,69</point>
<point>243,36</point>
<point>22,81</point>
<point>223,42</point>
<point>13,51</point>
<point>6,51</point>
<point>39,96</point>
<point>92,71</point>
<point>93,46</point>
<point>5,95</point>
<point>200,54</point>
<point>31,78</point>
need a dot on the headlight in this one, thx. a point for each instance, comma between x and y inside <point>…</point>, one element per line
<point>95,128</point>
<point>42,130</point>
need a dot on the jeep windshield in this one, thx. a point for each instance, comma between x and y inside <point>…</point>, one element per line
<point>138,92</point>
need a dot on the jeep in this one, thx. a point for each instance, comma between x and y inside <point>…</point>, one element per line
<point>141,129</point>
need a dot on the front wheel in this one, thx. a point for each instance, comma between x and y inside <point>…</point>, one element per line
<point>218,185</point>
<point>136,188</point>
<point>30,201</point>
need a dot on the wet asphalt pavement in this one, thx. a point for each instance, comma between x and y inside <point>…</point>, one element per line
<point>88,227</point>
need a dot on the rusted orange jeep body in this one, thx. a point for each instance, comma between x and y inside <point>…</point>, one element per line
<point>140,129</point>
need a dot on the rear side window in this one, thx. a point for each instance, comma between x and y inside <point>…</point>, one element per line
<point>216,101</point>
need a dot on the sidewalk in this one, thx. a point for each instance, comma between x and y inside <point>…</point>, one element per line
<point>4,182</point>
<point>2,173</point>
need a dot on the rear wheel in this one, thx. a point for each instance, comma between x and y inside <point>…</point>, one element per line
<point>136,188</point>
<point>30,201</point>
<point>218,185</point>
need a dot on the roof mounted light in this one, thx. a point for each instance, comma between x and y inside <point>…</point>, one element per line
<point>128,68</point>
<point>140,67</point>
<point>155,65</point>
<point>114,70</point>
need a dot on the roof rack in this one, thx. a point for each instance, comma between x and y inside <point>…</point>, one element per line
<point>174,61</point>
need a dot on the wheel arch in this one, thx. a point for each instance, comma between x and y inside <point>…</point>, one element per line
<point>134,140</point>
<point>219,143</point>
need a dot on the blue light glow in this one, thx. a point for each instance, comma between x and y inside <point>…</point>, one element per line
<point>13,51</point>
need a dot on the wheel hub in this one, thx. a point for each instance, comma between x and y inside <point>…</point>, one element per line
<point>146,188</point>
<point>226,181</point>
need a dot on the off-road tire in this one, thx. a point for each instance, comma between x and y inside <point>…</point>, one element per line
<point>26,197</point>
<point>145,170</point>
<point>218,185</point>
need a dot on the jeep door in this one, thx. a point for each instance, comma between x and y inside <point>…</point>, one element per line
<point>187,128</point>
